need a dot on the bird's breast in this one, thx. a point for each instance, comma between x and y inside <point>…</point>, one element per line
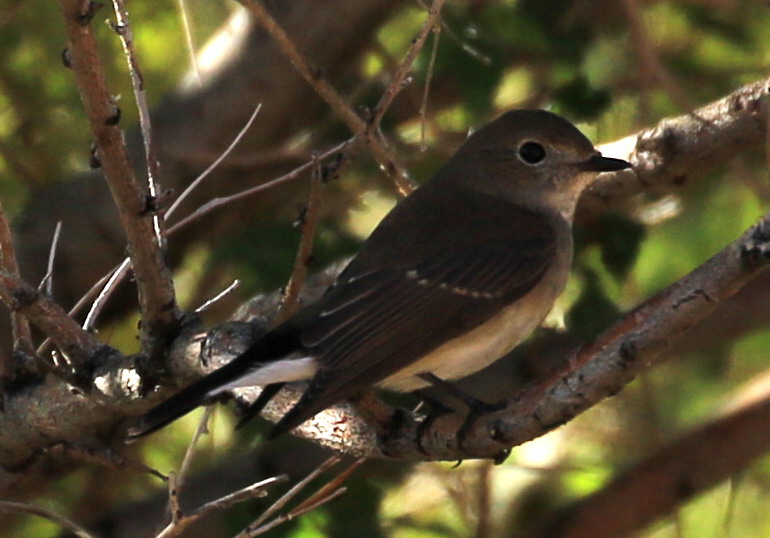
<point>486,343</point>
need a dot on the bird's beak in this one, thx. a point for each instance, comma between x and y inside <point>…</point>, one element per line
<point>598,163</point>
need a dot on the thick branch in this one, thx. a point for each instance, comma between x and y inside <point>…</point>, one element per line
<point>79,345</point>
<point>156,291</point>
<point>685,147</point>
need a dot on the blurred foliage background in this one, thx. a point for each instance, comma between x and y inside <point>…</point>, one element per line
<point>613,67</point>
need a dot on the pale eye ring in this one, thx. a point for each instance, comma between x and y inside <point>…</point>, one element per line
<point>531,153</point>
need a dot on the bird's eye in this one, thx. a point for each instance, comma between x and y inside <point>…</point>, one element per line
<point>531,152</point>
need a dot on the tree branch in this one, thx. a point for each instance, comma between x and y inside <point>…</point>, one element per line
<point>78,345</point>
<point>357,126</point>
<point>160,315</point>
<point>680,149</point>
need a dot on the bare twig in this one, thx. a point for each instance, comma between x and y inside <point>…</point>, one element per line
<point>426,89</point>
<point>329,488</point>
<point>208,304</point>
<point>294,514</point>
<point>203,427</point>
<point>62,521</point>
<point>308,222</point>
<point>249,492</point>
<point>126,34</point>
<point>114,279</point>
<point>401,74</point>
<point>327,493</point>
<point>177,517</point>
<point>119,274</point>
<point>99,455</point>
<point>220,202</point>
<point>161,317</point>
<point>289,495</point>
<point>327,92</point>
<point>213,165</point>
<point>181,521</point>
<point>47,280</point>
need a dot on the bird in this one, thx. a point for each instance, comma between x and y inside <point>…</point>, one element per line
<point>455,276</point>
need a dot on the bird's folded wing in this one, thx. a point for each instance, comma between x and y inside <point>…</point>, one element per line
<point>372,325</point>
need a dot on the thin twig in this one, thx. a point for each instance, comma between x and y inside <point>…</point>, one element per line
<point>426,89</point>
<point>98,304</point>
<point>332,485</point>
<point>249,492</point>
<point>62,521</point>
<point>119,274</point>
<point>203,427</point>
<point>289,495</point>
<point>325,494</point>
<point>308,222</point>
<point>47,280</point>
<point>179,521</point>
<point>401,74</point>
<point>160,314</point>
<point>213,165</point>
<point>218,297</point>
<point>293,515</point>
<point>469,49</point>
<point>126,35</point>
<point>174,509</point>
<point>326,91</point>
<point>182,521</point>
<point>216,203</point>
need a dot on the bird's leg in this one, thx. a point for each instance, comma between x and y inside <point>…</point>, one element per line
<point>476,407</point>
<point>256,407</point>
<point>437,409</point>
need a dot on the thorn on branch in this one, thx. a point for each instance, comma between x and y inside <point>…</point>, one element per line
<point>88,9</point>
<point>114,119</point>
<point>316,73</point>
<point>23,372</point>
<point>329,171</point>
<point>66,58</point>
<point>118,28</point>
<point>757,250</point>
<point>94,163</point>
<point>155,204</point>
<point>627,352</point>
<point>23,296</point>
<point>301,217</point>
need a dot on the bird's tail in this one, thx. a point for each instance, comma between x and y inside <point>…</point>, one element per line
<point>272,346</point>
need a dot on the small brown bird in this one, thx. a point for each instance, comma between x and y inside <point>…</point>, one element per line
<point>454,277</point>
